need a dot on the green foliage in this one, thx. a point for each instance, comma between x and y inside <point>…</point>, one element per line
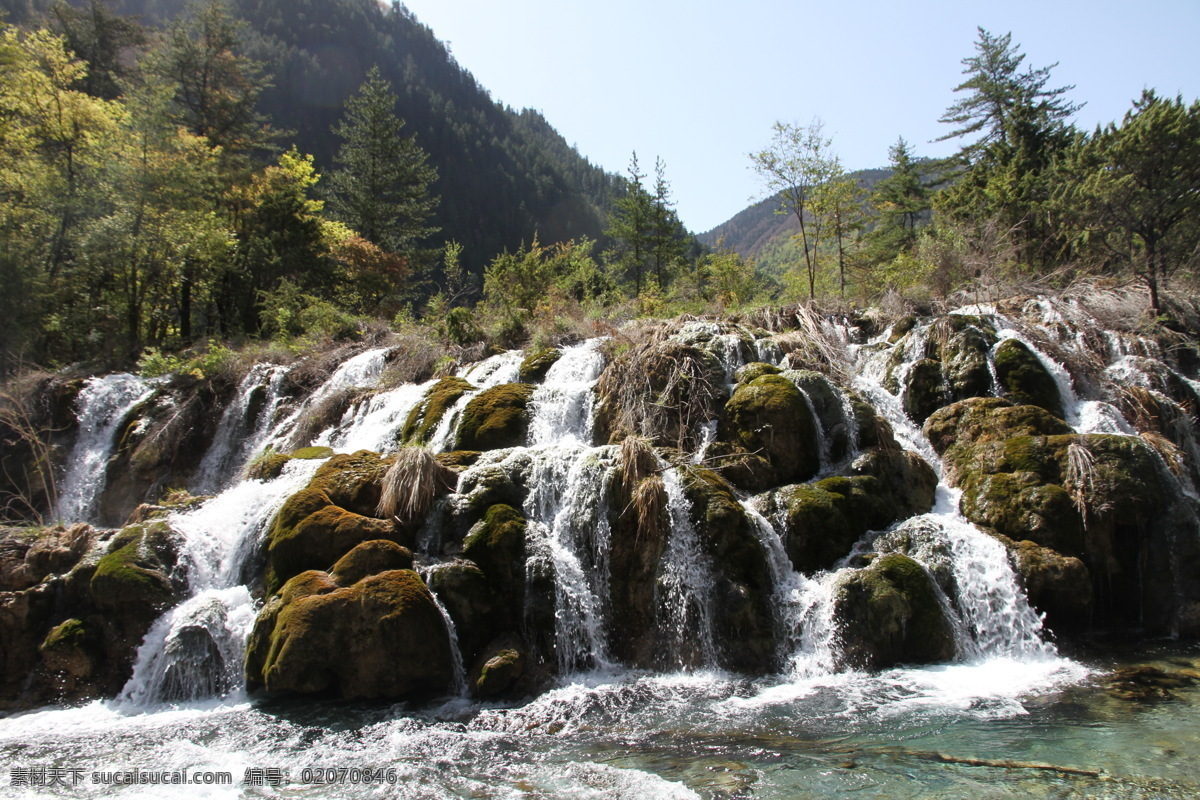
<point>899,201</point>
<point>214,359</point>
<point>382,185</point>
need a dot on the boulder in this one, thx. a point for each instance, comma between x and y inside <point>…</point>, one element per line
<point>925,390</point>
<point>318,539</point>
<point>537,363</point>
<point>769,418</point>
<point>891,615</point>
<point>1024,379</point>
<point>495,418</point>
<point>382,637</point>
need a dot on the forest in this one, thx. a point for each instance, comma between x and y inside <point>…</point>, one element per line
<point>176,180</point>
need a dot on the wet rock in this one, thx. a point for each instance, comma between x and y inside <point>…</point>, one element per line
<point>497,544</point>
<point>742,617</point>
<point>537,363</point>
<point>925,390</point>
<point>826,401</point>
<point>1024,379</point>
<point>1146,684</point>
<point>469,599</point>
<point>770,419</point>
<point>353,481</point>
<point>891,615</point>
<point>499,673</point>
<point>267,466</point>
<point>1058,586</point>
<point>134,577</point>
<point>424,418</point>
<point>755,369</point>
<point>495,418</point>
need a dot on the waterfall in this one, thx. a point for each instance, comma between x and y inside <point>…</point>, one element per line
<point>242,428</point>
<point>685,587</point>
<point>197,648</point>
<point>562,404</point>
<point>456,657</point>
<point>494,371</point>
<point>375,424</point>
<point>103,405</point>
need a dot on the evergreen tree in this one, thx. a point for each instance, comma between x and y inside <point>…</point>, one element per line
<point>899,200</point>
<point>98,37</point>
<point>667,238</point>
<point>1137,188</point>
<point>631,225</point>
<point>382,185</point>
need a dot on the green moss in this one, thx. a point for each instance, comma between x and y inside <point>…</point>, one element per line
<point>72,633</point>
<point>497,417</point>
<point>1024,379</point>
<point>755,369</point>
<point>312,453</point>
<point>537,363</point>
<point>965,423</point>
<point>458,459</point>
<point>770,418</point>
<point>426,415</point>
<point>499,674</point>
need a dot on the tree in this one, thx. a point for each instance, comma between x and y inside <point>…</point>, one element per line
<point>797,161</point>
<point>838,204</point>
<point>98,37</point>
<point>216,88</point>
<point>1137,188</point>
<point>898,200</point>
<point>382,185</point>
<point>996,89</point>
<point>666,240</point>
<point>631,223</point>
<point>1021,132</point>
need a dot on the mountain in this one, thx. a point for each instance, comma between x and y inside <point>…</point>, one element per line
<point>504,175</point>
<point>759,228</point>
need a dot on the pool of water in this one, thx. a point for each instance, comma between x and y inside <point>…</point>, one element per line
<point>995,729</point>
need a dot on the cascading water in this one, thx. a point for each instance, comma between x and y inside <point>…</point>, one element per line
<point>685,612</point>
<point>244,425</point>
<point>103,404</point>
<point>196,649</point>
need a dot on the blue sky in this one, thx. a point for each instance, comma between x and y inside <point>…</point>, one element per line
<point>700,83</point>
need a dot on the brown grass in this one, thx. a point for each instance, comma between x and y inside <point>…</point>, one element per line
<point>412,483</point>
<point>636,460</point>
<point>1170,453</point>
<point>649,501</point>
<point>1080,481</point>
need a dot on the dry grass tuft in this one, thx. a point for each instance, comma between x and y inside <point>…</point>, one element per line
<point>412,483</point>
<point>1170,453</point>
<point>649,501</point>
<point>1141,408</point>
<point>636,460</point>
<point>1081,476</point>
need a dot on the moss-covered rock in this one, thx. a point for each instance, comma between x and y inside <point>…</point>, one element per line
<point>424,418</point>
<point>1058,586</point>
<point>537,363</point>
<point>135,572</point>
<point>71,647</point>
<point>370,558</point>
<point>499,674</point>
<point>381,638</point>
<point>965,363</point>
<point>495,418</point>
<point>468,597</point>
<point>1024,379</point>
<point>318,540</point>
<point>497,544</point>
<point>967,422</point>
<point>742,590</point>
<point>1022,504</point>
<point>353,481</point>
<point>755,369</point>
<point>925,390</point>
<point>891,615</point>
<point>769,418</point>
<point>267,466</point>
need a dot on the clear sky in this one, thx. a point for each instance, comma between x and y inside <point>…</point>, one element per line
<point>699,83</point>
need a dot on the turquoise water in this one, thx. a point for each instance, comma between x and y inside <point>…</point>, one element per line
<point>994,729</point>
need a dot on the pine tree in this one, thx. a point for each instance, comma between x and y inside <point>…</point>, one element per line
<point>899,200</point>
<point>631,224</point>
<point>382,185</point>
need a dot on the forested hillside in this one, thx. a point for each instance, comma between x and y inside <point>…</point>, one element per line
<point>503,174</point>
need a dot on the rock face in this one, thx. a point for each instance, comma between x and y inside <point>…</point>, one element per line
<point>381,636</point>
<point>1096,501</point>
<point>75,605</point>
